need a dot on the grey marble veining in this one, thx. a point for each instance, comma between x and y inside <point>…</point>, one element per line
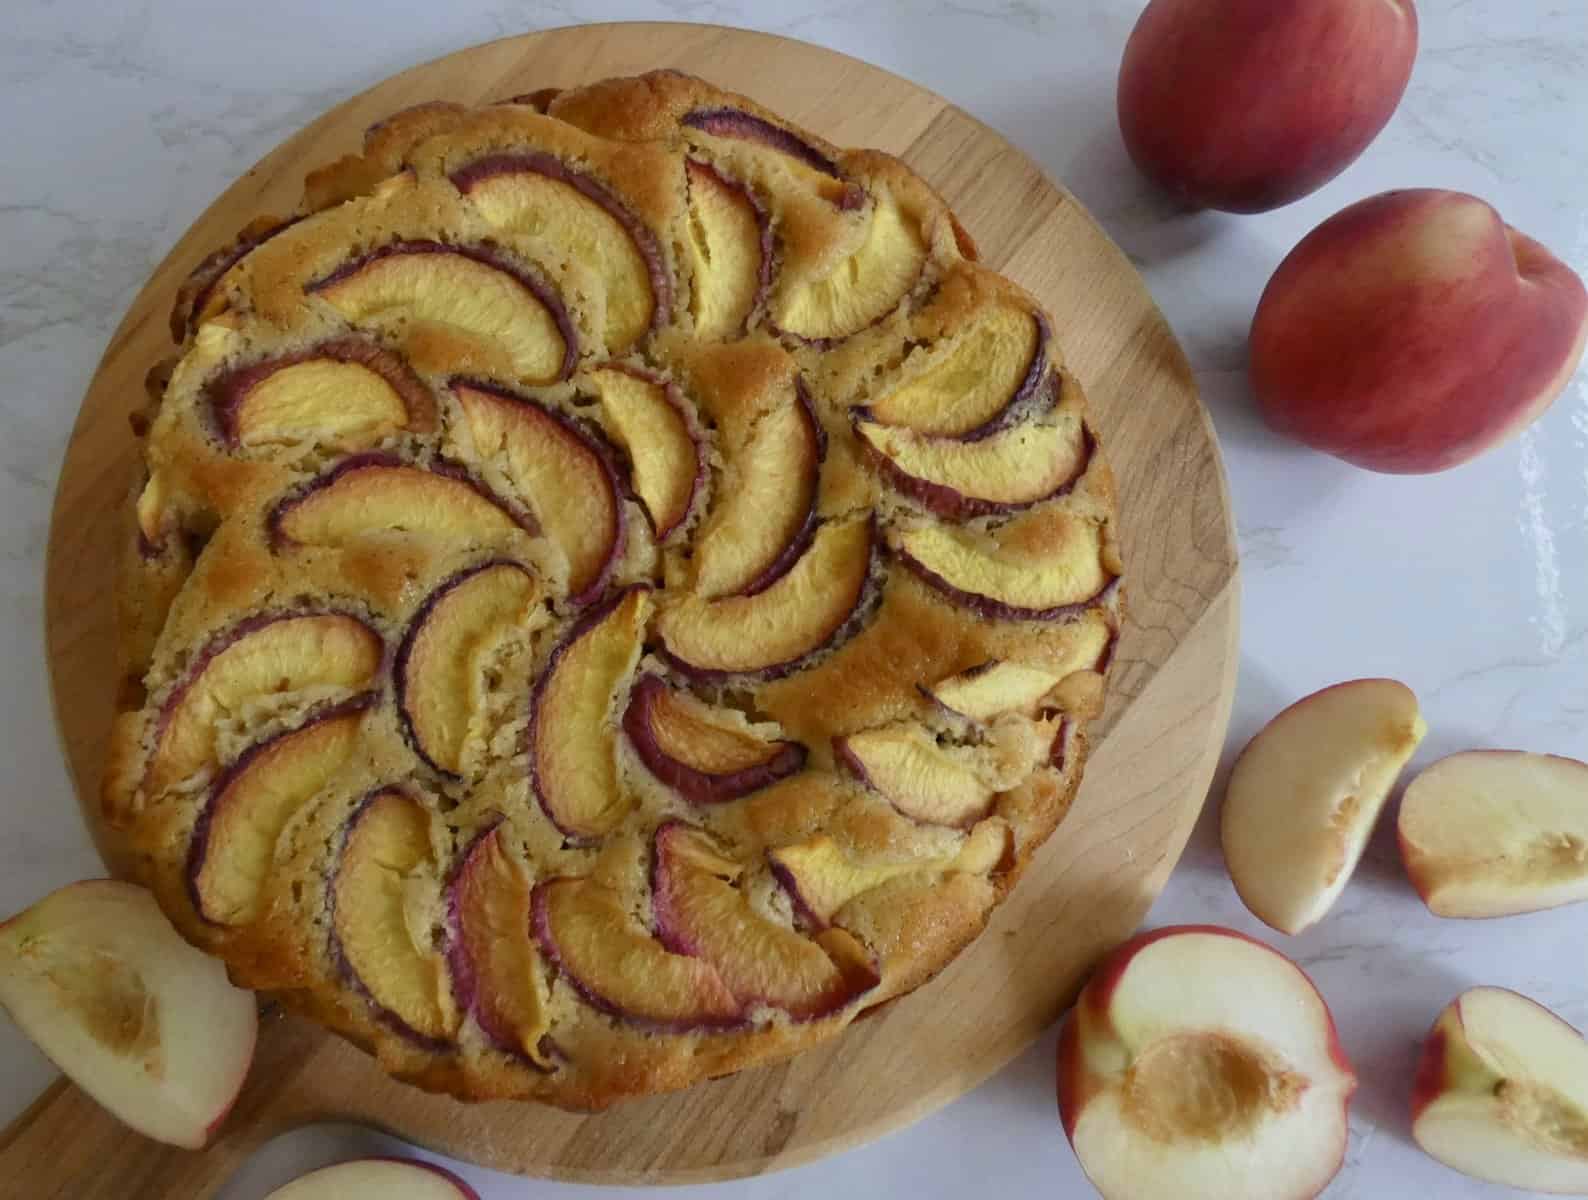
<point>1472,586</point>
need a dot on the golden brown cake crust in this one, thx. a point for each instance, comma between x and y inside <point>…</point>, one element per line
<point>616,592</point>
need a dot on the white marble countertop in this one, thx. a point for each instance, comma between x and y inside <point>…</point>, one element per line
<point>125,119</point>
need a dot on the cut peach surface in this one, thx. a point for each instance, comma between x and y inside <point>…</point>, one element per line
<point>1487,833</point>
<point>866,286</point>
<point>645,417</point>
<point>918,777</point>
<point>1200,1064</point>
<point>377,1179</point>
<point>144,1023</point>
<point>1303,796</point>
<point>1501,1093</point>
<point>730,251</point>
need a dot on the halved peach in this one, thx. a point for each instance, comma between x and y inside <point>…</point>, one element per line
<point>384,867</point>
<point>612,961</point>
<point>439,673</point>
<point>646,418</point>
<point>234,840</point>
<point>477,288</point>
<point>927,783</point>
<point>771,632</point>
<point>146,1024</point>
<point>1045,570</point>
<point>986,379</point>
<point>573,770</point>
<point>556,469</point>
<point>491,953</point>
<point>699,912</point>
<point>764,514</point>
<point>705,761</point>
<point>273,653</point>
<point>344,393</point>
<point>375,495</point>
<point>730,251</point>
<point>539,194</point>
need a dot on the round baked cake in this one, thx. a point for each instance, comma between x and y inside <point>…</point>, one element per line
<point>617,592</point>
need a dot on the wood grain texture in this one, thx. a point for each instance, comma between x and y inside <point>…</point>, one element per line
<point>1086,889</point>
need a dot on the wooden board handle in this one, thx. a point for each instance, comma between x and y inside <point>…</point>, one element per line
<point>66,1147</point>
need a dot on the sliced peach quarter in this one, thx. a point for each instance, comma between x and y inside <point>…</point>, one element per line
<point>441,666</point>
<point>1013,469</point>
<point>646,418</point>
<point>233,846</point>
<point>699,753</point>
<point>976,384</point>
<point>992,688</point>
<point>730,253</point>
<point>380,927</point>
<point>820,876</point>
<point>771,632</point>
<point>863,288</point>
<point>261,656</point>
<point>1501,1093</point>
<point>699,912</point>
<point>475,288</point>
<point>376,495</point>
<point>615,964</point>
<point>1044,567</point>
<point>764,510</point>
<point>377,1179</point>
<point>1487,833</point>
<point>924,781</point>
<point>1305,793</point>
<point>559,472</point>
<point>343,394</point>
<point>491,953</point>
<point>572,756</point>
<point>146,1024</point>
<point>1201,1064</point>
<point>541,195</point>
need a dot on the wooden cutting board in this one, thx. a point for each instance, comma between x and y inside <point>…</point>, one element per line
<point>1085,891</point>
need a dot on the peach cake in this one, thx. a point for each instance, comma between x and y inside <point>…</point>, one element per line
<point>617,592</point>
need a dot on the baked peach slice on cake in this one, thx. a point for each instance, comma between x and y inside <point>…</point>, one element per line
<point>233,844</point>
<point>770,632</point>
<point>377,1179</point>
<point>1043,566</point>
<point>277,654</point>
<point>765,509</point>
<point>820,876</point>
<point>380,899</point>
<point>1501,1093</point>
<point>572,756</point>
<point>491,954</point>
<point>536,193</point>
<point>699,912</point>
<point>1201,1064</point>
<point>146,1024</point>
<point>614,963</point>
<point>924,781</point>
<point>1305,793</point>
<point>558,471</point>
<point>1487,833</point>
<point>442,663</point>
<point>476,288</point>
<point>736,124</point>
<point>374,495</point>
<point>646,418</point>
<point>974,384</point>
<point>730,252</point>
<point>993,688</point>
<point>345,393</point>
<point>701,754</point>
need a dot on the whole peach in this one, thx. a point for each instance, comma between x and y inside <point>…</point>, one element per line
<point>1246,105</point>
<point>1413,330</point>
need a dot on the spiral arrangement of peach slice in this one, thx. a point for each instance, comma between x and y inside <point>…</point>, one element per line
<point>618,591</point>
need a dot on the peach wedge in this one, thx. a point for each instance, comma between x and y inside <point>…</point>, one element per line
<point>1306,791</point>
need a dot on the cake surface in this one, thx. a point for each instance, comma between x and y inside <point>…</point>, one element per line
<point>616,592</point>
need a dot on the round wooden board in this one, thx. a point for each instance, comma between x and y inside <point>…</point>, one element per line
<point>1086,889</point>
